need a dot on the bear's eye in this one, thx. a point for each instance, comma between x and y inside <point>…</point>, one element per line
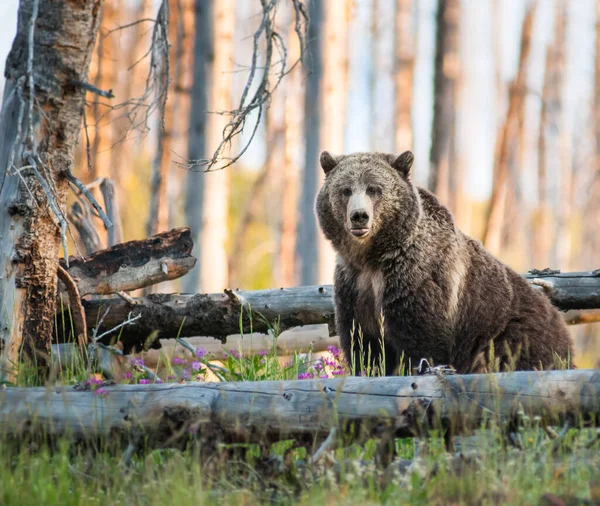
<point>347,192</point>
<point>374,191</point>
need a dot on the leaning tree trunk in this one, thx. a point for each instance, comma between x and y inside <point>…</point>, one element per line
<point>47,60</point>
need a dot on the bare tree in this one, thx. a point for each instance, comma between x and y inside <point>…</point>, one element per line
<point>405,59</point>
<point>507,139</point>
<point>382,87</point>
<point>443,130</point>
<point>325,112</point>
<point>307,251</point>
<point>39,126</point>
<point>550,116</point>
<point>286,272</point>
<point>158,216</point>
<point>105,76</point>
<point>208,194</point>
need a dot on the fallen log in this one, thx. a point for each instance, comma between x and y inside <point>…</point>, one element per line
<point>274,410</point>
<point>568,290</point>
<point>218,315</point>
<point>132,265</point>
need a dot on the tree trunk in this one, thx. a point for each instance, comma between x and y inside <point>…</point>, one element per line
<point>286,272</point>
<point>271,411</point>
<point>63,35</point>
<point>443,130</point>
<point>201,81</point>
<point>507,138</point>
<point>158,218</point>
<point>548,154</point>
<point>308,230</point>
<point>382,85</point>
<point>105,77</point>
<point>207,197</point>
<point>405,61</point>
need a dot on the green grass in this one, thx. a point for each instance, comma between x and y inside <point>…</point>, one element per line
<point>494,472</point>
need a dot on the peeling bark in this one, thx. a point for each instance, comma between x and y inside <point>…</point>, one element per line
<point>63,38</point>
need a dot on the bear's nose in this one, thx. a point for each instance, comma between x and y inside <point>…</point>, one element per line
<point>359,218</point>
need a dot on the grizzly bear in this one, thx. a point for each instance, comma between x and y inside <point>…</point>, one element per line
<point>409,285</point>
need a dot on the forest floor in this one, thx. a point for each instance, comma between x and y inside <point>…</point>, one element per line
<point>559,469</point>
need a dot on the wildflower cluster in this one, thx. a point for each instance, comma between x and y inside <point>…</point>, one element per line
<point>327,367</point>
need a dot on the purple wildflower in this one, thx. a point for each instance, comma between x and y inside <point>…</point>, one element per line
<point>330,363</point>
<point>139,362</point>
<point>128,375</point>
<point>318,365</point>
<point>185,374</point>
<point>144,381</point>
<point>94,381</point>
<point>200,352</point>
<point>196,366</point>
<point>171,377</point>
<point>305,375</point>
<point>324,376</point>
<point>334,351</point>
<point>337,372</point>
<point>262,353</point>
<point>178,361</point>
<point>234,353</point>
<point>101,392</point>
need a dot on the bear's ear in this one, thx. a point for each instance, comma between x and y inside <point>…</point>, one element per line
<point>328,162</point>
<point>403,163</point>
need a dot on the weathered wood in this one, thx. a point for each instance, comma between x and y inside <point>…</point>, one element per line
<point>218,315</point>
<point>39,127</point>
<point>570,290</point>
<point>134,264</point>
<point>273,410</point>
<point>314,338</point>
<point>80,217</point>
<point>111,203</point>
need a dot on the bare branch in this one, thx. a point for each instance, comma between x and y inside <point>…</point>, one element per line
<point>129,321</point>
<point>69,175</point>
<point>76,307</point>
<point>93,89</point>
<point>260,99</point>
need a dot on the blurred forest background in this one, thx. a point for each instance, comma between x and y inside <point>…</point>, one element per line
<point>499,100</point>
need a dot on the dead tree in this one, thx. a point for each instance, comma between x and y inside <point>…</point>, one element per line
<point>404,74</point>
<point>550,114</point>
<point>39,125</point>
<point>508,135</point>
<point>442,155</point>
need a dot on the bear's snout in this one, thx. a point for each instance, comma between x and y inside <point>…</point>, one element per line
<point>360,211</point>
<point>359,218</point>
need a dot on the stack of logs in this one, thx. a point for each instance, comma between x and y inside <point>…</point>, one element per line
<point>310,410</point>
<point>126,267</point>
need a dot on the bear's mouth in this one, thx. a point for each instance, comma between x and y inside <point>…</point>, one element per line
<point>359,232</point>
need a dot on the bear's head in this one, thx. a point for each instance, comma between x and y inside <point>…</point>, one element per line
<point>367,199</point>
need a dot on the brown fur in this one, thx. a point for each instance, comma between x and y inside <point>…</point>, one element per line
<point>442,295</point>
